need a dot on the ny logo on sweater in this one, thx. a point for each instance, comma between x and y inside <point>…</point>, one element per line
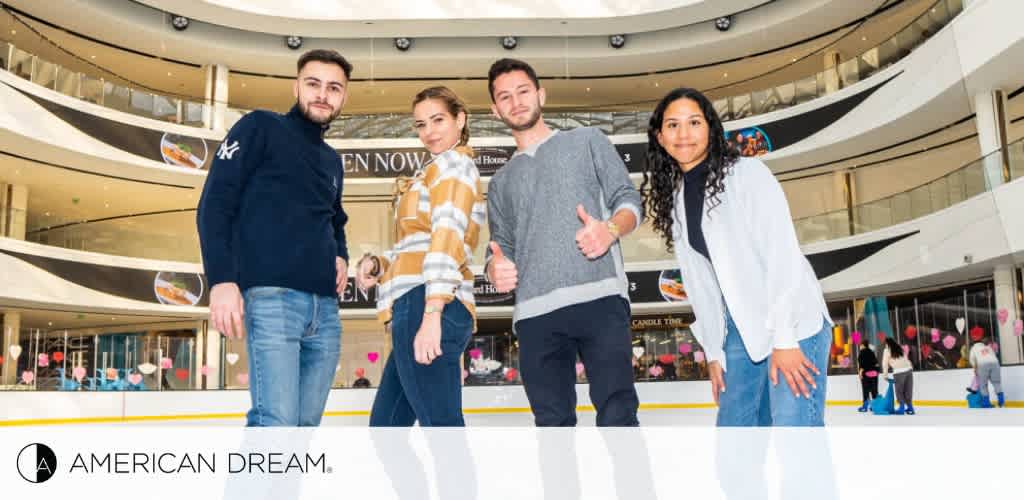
<point>226,151</point>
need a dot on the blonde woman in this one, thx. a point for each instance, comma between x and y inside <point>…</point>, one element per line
<point>426,287</point>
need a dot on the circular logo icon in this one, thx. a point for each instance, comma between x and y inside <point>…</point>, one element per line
<point>37,463</point>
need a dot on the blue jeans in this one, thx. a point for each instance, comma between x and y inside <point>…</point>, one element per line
<point>293,341</point>
<point>750,400</point>
<point>410,392</point>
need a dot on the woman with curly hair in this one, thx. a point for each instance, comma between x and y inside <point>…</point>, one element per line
<point>761,316</point>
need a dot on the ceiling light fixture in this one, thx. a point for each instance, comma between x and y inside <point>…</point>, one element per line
<point>509,42</point>
<point>723,23</point>
<point>293,42</point>
<point>180,23</point>
<point>403,43</point>
<point>617,41</point>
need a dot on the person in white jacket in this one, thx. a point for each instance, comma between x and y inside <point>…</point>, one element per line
<point>986,367</point>
<point>761,316</point>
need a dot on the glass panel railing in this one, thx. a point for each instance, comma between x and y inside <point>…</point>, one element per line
<point>957,186</point>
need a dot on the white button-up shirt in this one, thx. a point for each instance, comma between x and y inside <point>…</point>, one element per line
<point>767,284</point>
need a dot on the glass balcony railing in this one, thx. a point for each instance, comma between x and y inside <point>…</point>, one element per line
<point>970,180</point>
<point>381,126</point>
<point>98,90</point>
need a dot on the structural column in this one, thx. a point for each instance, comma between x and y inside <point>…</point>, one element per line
<point>1004,278</point>
<point>216,96</point>
<point>832,83</point>
<point>11,336</point>
<point>13,217</point>
<point>990,116</point>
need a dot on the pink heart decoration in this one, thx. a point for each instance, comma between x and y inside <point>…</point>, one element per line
<point>27,376</point>
<point>698,356</point>
<point>949,342</point>
<point>655,371</point>
<point>844,362</point>
<point>977,333</point>
<point>511,374</point>
<point>475,353</point>
<point>935,335</point>
<point>1002,315</point>
<point>855,337</point>
<point>78,373</point>
<point>112,374</point>
<point>579,369</point>
<point>204,370</point>
<point>166,363</point>
<point>906,349</point>
<point>1018,327</point>
<point>372,356</point>
<point>360,372</point>
<point>685,348</point>
<point>242,378</point>
<point>44,360</point>
<point>135,378</point>
<point>994,346</point>
<point>181,373</point>
<point>58,357</point>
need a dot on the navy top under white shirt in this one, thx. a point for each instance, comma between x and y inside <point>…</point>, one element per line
<point>270,213</point>
<point>694,186</point>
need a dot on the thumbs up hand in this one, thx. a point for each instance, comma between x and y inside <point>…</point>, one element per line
<point>594,238</point>
<point>502,272</point>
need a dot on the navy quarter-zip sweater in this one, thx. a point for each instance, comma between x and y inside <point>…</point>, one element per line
<point>270,213</point>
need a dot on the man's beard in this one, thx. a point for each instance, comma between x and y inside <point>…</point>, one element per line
<point>307,112</point>
<point>530,121</point>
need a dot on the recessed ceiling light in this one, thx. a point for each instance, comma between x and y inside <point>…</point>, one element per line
<point>588,89</point>
<point>726,75</point>
<point>107,205</point>
<point>863,38</point>
<point>17,171</point>
<point>794,59</point>
<point>93,56</point>
<point>47,214</point>
<point>243,85</point>
<point>656,84</point>
<point>168,73</point>
<point>49,323</point>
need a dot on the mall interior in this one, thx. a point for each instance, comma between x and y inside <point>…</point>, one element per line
<point>895,127</point>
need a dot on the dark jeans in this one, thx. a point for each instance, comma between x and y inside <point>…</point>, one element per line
<point>868,387</point>
<point>410,392</point>
<point>599,332</point>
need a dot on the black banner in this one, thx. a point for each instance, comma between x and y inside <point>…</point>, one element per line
<point>190,289</point>
<point>195,152</point>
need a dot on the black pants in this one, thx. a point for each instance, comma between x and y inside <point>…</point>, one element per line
<point>599,332</point>
<point>869,387</point>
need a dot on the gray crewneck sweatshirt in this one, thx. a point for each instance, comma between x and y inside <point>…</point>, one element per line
<point>531,209</point>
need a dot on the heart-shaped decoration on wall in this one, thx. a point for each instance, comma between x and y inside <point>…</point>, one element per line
<point>58,357</point>
<point>949,342</point>
<point>936,335</point>
<point>1018,327</point>
<point>15,351</point>
<point>166,363</point>
<point>960,325</point>
<point>231,358</point>
<point>27,376</point>
<point>44,360</point>
<point>638,351</point>
<point>78,373</point>
<point>855,337</point>
<point>372,356</point>
<point>698,356</point>
<point>147,368</point>
<point>135,378</point>
<point>1002,315</point>
<point>242,378</point>
<point>181,373</point>
<point>475,353</point>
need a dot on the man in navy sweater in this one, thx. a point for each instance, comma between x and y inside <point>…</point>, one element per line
<point>272,232</point>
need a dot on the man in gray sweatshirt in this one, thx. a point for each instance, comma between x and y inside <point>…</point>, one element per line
<point>556,211</point>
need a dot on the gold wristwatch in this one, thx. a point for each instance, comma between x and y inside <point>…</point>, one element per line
<point>613,228</point>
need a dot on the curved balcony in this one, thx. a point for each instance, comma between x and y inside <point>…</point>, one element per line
<point>730,107</point>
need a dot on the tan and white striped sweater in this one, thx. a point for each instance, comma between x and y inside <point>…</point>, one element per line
<point>438,219</point>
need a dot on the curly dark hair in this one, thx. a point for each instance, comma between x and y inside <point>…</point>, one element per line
<point>662,175</point>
